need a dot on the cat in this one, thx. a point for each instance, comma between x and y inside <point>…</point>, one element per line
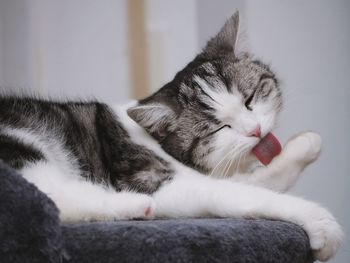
<point>184,151</point>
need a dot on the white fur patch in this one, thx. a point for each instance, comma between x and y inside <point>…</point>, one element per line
<point>48,144</point>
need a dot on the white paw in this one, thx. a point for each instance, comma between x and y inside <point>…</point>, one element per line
<point>118,206</point>
<point>304,148</point>
<point>135,206</point>
<point>324,232</point>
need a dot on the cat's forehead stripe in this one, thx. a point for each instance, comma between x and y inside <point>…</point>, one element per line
<point>219,98</point>
<point>209,68</point>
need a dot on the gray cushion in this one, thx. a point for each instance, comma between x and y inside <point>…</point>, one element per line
<point>30,231</point>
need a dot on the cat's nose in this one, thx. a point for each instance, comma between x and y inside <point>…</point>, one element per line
<point>256,132</point>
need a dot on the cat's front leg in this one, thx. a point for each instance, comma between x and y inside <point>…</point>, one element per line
<point>284,170</point>
<point>193,195</point>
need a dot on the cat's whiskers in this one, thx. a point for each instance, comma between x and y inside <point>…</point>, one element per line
<point>243,154</point>
<point>227,166</point>
<point>223,163</point>
<point>244,158</point>
<point>236,161</point>
<point>233,159</point>
<point>217,166</point>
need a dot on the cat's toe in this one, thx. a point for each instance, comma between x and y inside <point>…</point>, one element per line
<point>127,206</point>
<point>141,207</point>
<point>148,209</point>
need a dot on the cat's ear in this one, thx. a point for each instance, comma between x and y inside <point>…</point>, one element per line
<point>155,118</point>
<point>227,40</point>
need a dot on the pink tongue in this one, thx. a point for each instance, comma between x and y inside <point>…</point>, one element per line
<point>267,149</point>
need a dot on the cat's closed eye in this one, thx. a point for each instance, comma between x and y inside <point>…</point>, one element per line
<point>222,127</point>
<point>249,101</point>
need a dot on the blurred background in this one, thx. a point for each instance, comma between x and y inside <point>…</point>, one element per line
<point>115,50</point>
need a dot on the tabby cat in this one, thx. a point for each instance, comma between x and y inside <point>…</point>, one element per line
<point>201,146</point>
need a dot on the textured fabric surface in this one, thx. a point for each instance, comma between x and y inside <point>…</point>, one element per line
<point>187,240</point>
<point>30,231</point>
<point>29,225</point>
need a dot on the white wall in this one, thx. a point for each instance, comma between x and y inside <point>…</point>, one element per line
<point>212,15</point>
<point>1,46</point>
<point>171,28</point>
<point>14,37</point>
<point>307,44</point>
<point>79,48</point>
<point>65,48</point>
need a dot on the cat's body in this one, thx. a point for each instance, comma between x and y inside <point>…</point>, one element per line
<point>81,138</point>
<point>182,152</point>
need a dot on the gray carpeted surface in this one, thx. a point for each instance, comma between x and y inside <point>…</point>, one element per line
<point>30,231</point>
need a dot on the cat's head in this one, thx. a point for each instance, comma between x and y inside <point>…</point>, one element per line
<point>217,108</point>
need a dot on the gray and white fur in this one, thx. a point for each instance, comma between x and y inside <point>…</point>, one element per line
<point>184,151</point>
